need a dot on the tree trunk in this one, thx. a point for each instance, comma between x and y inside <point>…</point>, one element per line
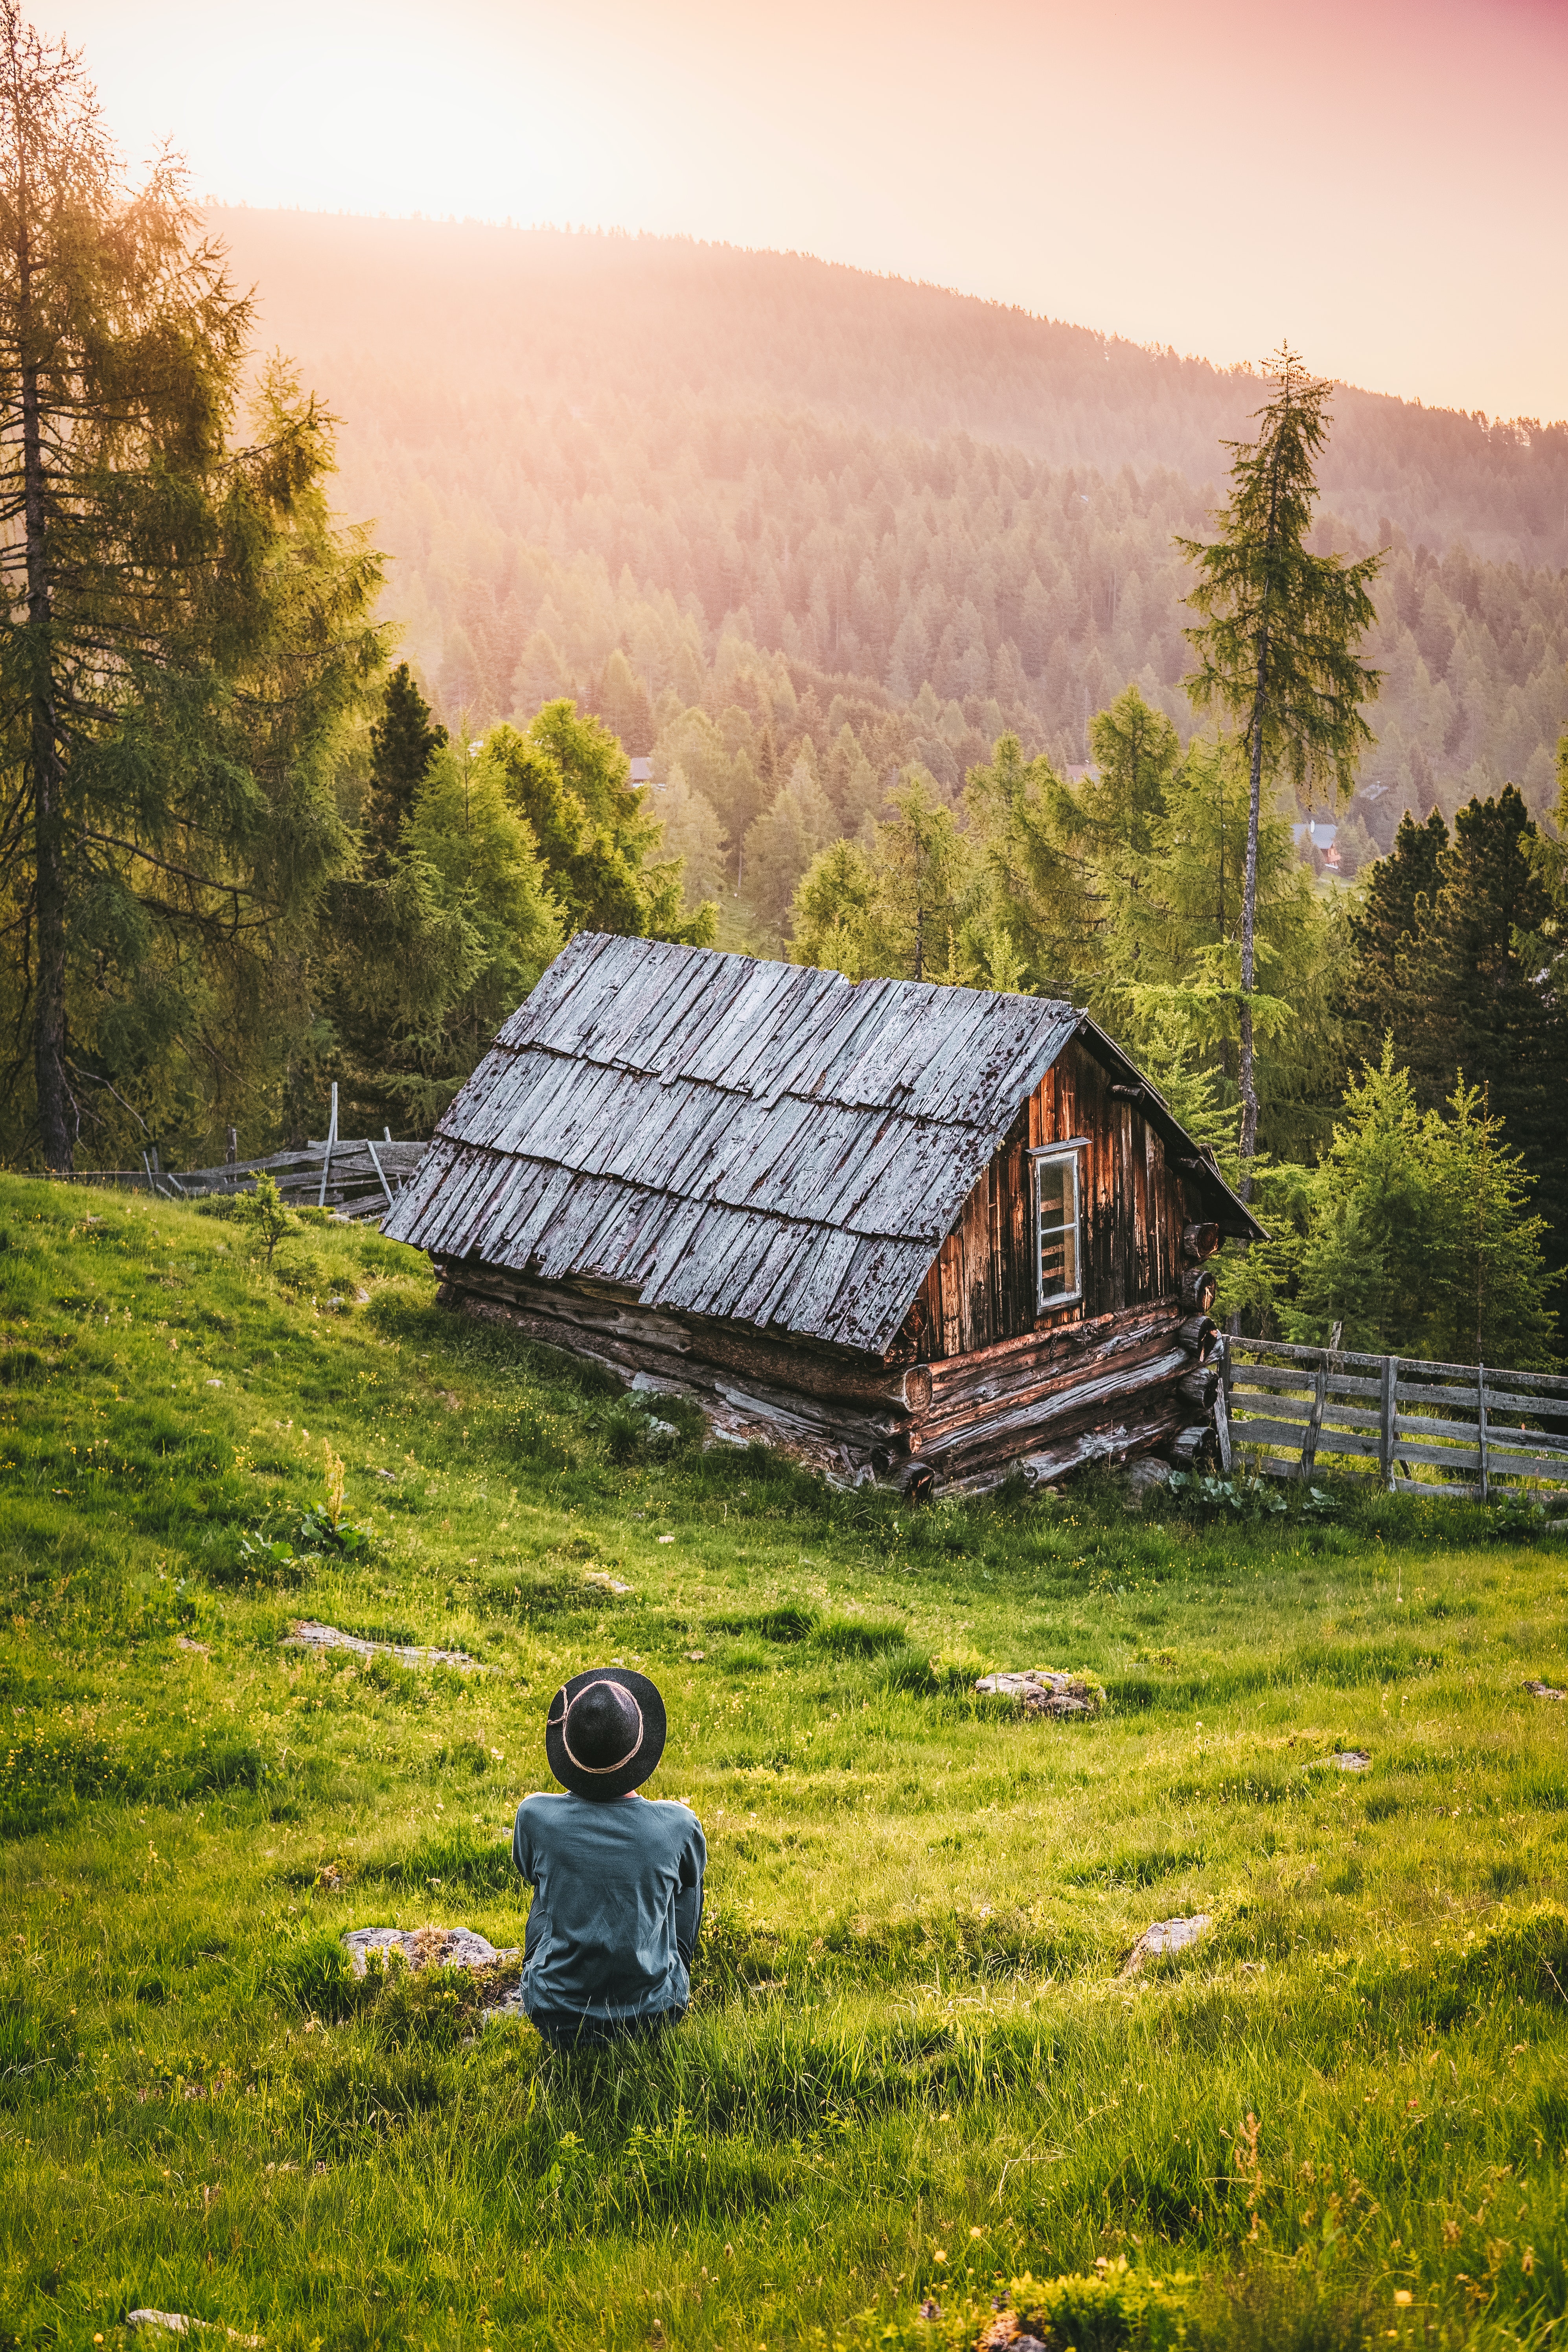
<point>1249,926</point>
<point>56,1120</point>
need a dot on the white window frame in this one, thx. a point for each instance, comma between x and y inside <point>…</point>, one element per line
<point>1058,1155</point>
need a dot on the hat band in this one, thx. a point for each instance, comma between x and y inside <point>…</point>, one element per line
<point>600,1770</point>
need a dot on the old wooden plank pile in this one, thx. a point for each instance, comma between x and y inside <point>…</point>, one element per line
<point>1464,1429</point>
<point>355,1177</point>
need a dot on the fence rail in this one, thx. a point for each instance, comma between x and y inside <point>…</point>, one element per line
<point>1465,1429</point>
<point>357,1177</point>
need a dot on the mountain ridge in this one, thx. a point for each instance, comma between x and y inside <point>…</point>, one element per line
<point>1004,374</point>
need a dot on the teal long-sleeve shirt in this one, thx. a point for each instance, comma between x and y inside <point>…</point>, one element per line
<point>617,1900</point>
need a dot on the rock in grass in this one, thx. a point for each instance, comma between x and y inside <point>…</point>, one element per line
<point>1166,1936</point>
<point>306,1634</point>
<point>1343,1759</point>
<point>176,2322</point>
<point>1046,1690</point>
<point>1545,1690</point>
<point>1144,1476</point>
<point>426,1948</point>
<point>1007,2333</point>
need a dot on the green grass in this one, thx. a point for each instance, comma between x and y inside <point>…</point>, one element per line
<point>912,2070</point>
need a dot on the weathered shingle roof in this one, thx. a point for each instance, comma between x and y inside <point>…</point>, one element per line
<point>752,1140</point>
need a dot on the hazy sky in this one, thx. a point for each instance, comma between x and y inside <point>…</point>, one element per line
<point>1383,181</point>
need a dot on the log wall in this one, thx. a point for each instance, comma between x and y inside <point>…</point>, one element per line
<point>980,1289</point>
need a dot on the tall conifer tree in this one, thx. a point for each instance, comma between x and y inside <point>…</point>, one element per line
<point>403,743</point>
<point>1387,928</point>
<point>1277,640</point>
<point>179,628</point>
<point>1483,1006</point>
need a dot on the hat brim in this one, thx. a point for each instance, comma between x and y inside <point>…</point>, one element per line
<point>636,1768</point>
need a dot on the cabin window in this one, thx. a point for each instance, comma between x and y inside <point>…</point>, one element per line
<point>1057,1228</point>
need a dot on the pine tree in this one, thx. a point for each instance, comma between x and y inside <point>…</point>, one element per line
<point>1481,1003</point>
<point>476,858</point>
<point>1420,1238</point>
<point>1037,899</point>
<point>781,844</point>
<point>1110,820</point>
<point>1276,641</point>
<point>895,909</point>
<point>836,924</point>
<point>1388,928</point>
<point>921,861</point>
<point>402,745</point>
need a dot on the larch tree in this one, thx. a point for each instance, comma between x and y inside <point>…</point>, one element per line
<point>181,631</point>
<point>1279,629</point>
<point>895,908</point>
<point>594,829</point>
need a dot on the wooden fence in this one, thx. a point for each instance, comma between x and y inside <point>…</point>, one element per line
<point>357,1177</point>
<point>1465,1429</point>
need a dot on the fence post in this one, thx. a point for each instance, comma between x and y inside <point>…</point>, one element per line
<point>1222,1410</point>
<point>327,1154</point>
<point>1390,1420</point>
<point>1481,1432</point>
<point>1314,1420</point>
<point>231,1146</point>
<point>376,1163</point>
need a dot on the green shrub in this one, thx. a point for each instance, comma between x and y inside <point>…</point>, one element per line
<point>1103,2312</point>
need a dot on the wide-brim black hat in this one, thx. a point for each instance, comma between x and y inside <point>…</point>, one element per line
<point>605,1731</point>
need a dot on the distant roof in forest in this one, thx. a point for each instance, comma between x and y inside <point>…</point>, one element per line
<point>773,1145</point>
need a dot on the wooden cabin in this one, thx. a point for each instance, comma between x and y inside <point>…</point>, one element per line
<point>932,1234</point>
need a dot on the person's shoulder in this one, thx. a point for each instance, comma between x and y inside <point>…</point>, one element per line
<point>541,1806</point>
<point>674,1811</point>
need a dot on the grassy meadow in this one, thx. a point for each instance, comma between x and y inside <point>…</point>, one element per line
<point>913,2072</point>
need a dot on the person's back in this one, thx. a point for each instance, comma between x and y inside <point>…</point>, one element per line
<point>617,1897</point>
<point>617,1878</point>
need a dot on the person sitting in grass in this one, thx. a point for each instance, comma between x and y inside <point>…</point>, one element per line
<point>616,1878</point>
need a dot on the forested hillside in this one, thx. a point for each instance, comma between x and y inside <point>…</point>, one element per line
<point>576,445</point>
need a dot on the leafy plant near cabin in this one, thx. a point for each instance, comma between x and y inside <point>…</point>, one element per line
<point>265,1213</point>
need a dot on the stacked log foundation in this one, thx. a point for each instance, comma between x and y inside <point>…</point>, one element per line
<point>1119,1385</point>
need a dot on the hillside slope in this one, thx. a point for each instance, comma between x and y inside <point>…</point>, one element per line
<point>579,445</point>
<point>913,2067</point>
<point>546,316</point>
